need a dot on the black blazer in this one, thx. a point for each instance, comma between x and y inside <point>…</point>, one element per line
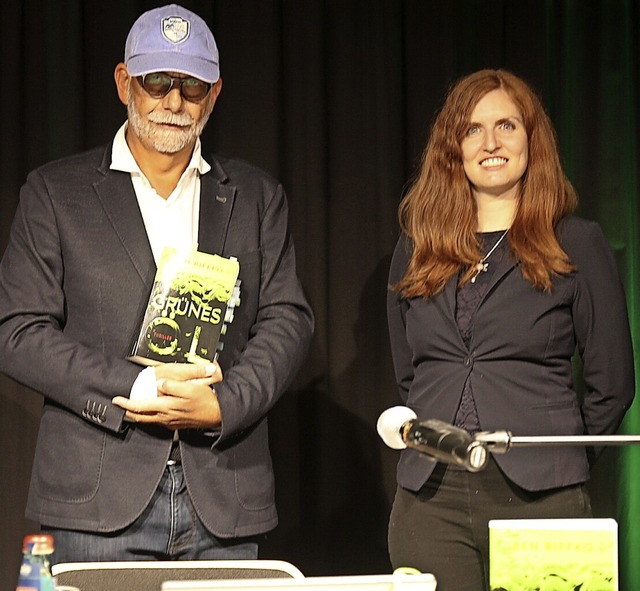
<point>73,284</point>
<point>519,361</point>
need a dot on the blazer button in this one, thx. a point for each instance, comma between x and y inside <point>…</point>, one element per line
<point>468,361</point>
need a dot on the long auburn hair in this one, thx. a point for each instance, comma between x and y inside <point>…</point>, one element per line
<point>439,213</point>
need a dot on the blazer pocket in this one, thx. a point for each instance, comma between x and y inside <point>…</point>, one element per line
<point>569,402</point>
<point>68,462</point>
<point>255,487</point>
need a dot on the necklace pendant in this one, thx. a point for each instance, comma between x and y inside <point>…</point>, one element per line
<point>479,268</point>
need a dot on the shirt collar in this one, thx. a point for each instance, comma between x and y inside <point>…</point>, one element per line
<point>122,159</point>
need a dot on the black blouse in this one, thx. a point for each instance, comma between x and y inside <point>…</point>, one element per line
<point>468,298</point>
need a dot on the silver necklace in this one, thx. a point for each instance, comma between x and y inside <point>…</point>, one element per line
<point>482,266</point>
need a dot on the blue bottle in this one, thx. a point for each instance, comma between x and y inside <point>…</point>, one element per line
<point>35,570</point>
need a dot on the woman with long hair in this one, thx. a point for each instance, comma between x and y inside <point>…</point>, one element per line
<point>494,285</point>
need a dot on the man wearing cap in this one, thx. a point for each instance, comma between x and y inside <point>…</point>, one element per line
<point>172,461</point>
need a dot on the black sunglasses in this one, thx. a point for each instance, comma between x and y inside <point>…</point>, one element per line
<point>159,84</point>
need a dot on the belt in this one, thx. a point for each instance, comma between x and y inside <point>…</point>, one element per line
<point>174,455</point>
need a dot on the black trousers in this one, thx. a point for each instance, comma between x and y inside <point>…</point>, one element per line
<point>443,529</point>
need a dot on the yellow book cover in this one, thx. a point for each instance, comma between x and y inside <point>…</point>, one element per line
<point>191,302</point>
<point>553,555</point>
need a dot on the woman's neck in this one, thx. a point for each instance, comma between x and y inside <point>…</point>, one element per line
<point>495,214</point>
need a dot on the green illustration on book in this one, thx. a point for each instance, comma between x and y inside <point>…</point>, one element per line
<point>191,303</point>
<point>553,555</point>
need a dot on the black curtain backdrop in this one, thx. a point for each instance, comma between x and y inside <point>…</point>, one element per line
<point>335,99</point>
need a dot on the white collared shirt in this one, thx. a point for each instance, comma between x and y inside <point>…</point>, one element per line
<point>168,222</point>
<point>172,221</point>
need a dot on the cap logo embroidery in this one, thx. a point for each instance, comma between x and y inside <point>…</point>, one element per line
<point>175,29</point>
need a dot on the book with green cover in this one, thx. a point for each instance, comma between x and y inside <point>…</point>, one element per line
<point>553,555</point>
<point>191,302</point>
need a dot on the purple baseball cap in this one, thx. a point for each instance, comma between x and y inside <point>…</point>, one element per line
<point>172,39</point>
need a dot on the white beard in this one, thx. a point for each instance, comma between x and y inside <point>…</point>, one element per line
<point>166,141</point>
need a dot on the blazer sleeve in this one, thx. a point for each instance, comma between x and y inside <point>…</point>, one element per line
<point>280,333</point>
<point>602,331</point>
<point>396,319</point>
<point>34,349</point>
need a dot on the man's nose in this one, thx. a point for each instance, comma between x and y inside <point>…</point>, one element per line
<point>173,99</point>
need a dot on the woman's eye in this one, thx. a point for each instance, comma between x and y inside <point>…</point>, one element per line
<point>474,129</point>
<point>508,125</point>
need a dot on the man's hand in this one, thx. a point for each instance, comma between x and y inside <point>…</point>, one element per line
<point>185,398</point>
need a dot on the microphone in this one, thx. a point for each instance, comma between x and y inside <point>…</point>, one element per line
<point>399,428</point>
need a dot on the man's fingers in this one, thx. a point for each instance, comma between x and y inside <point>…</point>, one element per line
<point>188,371</point>
<point>150,408</point>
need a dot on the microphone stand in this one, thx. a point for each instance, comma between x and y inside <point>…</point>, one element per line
<point>399,428</point>
<point>502,441</point>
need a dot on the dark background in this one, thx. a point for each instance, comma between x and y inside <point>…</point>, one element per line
<point>335,99</point>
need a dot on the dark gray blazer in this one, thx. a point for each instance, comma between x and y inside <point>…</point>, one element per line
<point>73,284</point>
<point>519,361</point>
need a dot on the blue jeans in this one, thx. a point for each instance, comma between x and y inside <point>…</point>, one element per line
<point>168,529</point>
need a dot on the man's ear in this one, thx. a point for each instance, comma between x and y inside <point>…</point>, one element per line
<point>216,87</point>
<point>123,80</point>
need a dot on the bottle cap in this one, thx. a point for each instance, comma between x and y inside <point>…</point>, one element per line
<point>38,544</point>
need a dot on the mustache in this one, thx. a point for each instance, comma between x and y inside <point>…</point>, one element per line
<point>183,119</point>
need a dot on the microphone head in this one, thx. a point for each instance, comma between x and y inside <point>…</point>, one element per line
<point>477,457</point>
<point>390,425</point>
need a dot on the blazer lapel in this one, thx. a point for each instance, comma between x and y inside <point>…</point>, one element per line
<point>216,205</point>
<point>115,193</point>
<point>501,269</point>
<point>118,199</point>
<point>450,290</point>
